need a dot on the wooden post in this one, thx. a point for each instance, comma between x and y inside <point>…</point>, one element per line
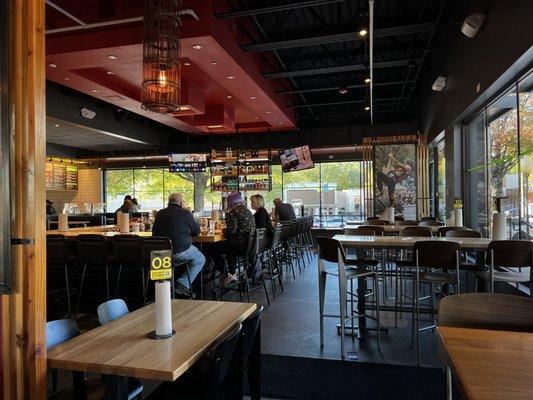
<point>24,310</point>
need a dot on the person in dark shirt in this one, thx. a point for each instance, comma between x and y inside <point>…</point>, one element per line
<point>126,208</point>
<point>283,211</point>
<point>261,215</point>
<point>50,207</point>
<point>240,224</point>
<point>178,224</point>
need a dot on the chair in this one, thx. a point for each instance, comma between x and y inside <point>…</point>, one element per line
<point>378,230</point>
<point>416,231</point>
<point>213,377</point>
<point>430,222</point>
<point>428,219</point>
<point>372,218</point>
<point>110,311</point>
<point>500,312</point>
<point>248,363</point>
<point>505,254</point>
<point>407,223</point>
<point>271,266</point>
<point>127,253</point>
<point>331,250</point>
<point>286,255</point>
<point>360,231</point>
<point>463,233</point>
<point>57,253</point>
<point>441,232</point>
<point>92,253</point>
<point>380,222</point>
<point>57,332</point>
<point>431,256</point>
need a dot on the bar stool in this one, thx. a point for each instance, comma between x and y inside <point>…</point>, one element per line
<point>271,266</point>
<point>465,265</point>
<point>331,250</point>
<point>430,256</point>
<point>505,254</point>
<point>57,254</point>
<point>127,253</point>
<point>92,253</point>
<point>286,255</point>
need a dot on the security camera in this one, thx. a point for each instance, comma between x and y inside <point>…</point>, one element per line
<point>472,24</point>
<point>86,113</point>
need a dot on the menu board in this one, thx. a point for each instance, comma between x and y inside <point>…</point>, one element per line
<point>61,176</point>
<point>72,177</point>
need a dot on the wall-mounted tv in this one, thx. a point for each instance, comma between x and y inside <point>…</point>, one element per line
<point>296,159</point>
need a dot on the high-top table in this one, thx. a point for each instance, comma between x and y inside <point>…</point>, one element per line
<point>123,348</point>
<point>488,364</point>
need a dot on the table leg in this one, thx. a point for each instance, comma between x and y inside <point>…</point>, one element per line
<point>254,372</point>
<point>116,387</point>
<point>79,383</point>
<point>447,380</point>
<point>361,306</point>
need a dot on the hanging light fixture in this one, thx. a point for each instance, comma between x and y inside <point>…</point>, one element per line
<point>161,53</point>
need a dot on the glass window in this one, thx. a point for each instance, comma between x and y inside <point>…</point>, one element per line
<point>525,113</point>
<point>341,193</point>
<point>119,183</point>
<point>441,181</point>
<point>502,136</point>
<point>302,189</point>
<point>476,188</point>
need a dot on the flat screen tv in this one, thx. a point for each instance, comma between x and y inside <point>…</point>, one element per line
<point>296,159</point>
<point>180,158</point>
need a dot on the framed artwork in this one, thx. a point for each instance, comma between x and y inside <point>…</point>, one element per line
<point>395,179</point>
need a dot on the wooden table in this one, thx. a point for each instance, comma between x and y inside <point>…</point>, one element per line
<point>122,347</point>
<point>395,229</point>
<point>406,242</point>
<point>488,364</point>
<point>111,230</point>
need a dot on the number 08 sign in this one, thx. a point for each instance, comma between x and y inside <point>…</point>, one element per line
<point>160,265</point>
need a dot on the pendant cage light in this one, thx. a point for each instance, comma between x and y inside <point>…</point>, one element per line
<point>161,53</point>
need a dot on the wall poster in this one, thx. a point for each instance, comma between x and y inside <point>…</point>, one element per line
<point>395,179</point>
<point>5,188</point>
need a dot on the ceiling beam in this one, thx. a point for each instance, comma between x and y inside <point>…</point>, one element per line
<point>271,9</point>
<point>338,103</point>
<point>332,88</point>
<point>339,69</point>
<point>336,38</point>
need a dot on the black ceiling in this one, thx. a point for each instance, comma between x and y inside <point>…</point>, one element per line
<point>313,48</point>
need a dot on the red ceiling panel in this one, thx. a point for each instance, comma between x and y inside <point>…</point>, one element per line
<point>217,76</point>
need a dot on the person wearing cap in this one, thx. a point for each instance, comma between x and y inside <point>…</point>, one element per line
<point>177,223</point>
<point>240,224</point>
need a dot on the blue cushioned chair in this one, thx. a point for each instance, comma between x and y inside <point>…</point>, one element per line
<point>110,311</point>
<point>57,332</point>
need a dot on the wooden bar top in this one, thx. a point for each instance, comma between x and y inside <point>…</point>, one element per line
<point>111,230</point>
<point>489,364</point>
<point>122,347</point>
<point>406,242</point>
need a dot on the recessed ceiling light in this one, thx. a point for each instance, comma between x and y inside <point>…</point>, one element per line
<point>51,65</point>
<point>367,80</point>
<point>256,117</point>
<point>197,47</point>
<point>112,57</point>
<point>269,112</point>
<point>56,125</point>
<point>275,117</point>
<point>367,108</point>
<point>229,96</point>
<point>110,73</point>
<point>363,32</point>
<point>343,90</point>
<point>230,77</point>
<point>253,97</point>
<point>95,91</point>
<point>280,123</point>
<point>214,126</point>
<point>66,78</point>
<point>187,64</point>
<point>213,63</point>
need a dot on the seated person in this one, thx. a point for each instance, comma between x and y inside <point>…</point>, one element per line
<point>178,224</point>
<point>261,215</point>
<point>136,205</point>
<point>240,224</point>
<point>126,208</point>
<point>283,211</point>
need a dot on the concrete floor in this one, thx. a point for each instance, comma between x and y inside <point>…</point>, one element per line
<point>290,326</point>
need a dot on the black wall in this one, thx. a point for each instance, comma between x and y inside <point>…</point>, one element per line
<point>505,36</point>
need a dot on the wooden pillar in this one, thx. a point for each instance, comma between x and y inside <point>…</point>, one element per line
<point>24,310</point>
